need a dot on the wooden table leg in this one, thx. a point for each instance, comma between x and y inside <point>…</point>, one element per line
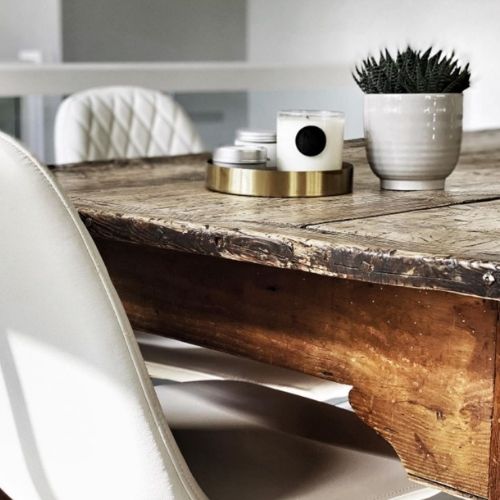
<point>494,476</point>
<point>422,363</point>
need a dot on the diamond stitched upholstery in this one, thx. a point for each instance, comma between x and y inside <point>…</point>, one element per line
<point>122,122</point>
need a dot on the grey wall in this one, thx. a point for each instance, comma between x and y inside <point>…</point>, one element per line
<point>154,30</point>
<point>9,116</point>
<point>165,30</point>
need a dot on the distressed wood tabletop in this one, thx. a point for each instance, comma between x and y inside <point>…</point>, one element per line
<point>393,293</point>
<point>447,240</point>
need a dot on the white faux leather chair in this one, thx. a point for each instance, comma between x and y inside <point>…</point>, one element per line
<point>80,419</point>
<point>126,122</point>
<point>122,122</point>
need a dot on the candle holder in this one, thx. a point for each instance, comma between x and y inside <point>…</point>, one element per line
<point>279,184</point>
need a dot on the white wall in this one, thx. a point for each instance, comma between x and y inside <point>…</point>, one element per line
<point>340,32</point>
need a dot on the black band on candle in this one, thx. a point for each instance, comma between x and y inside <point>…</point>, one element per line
<point>310,140</point>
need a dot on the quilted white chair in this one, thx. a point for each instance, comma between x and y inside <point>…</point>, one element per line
<point>125,122</point>
<point>122,122</point>
<point>80,419</point>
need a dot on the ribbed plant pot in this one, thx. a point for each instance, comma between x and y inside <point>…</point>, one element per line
<point>413,140</point>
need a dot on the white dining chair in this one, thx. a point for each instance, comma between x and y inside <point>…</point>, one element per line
<point>127,122</point>
<point>122,122</point>
<point>80,418</point>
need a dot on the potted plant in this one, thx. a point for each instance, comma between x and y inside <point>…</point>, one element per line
<point>413,116</point>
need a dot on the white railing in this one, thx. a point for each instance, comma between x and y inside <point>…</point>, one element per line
<point>20,79</point>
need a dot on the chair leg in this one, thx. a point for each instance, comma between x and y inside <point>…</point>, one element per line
<point>3,496</point>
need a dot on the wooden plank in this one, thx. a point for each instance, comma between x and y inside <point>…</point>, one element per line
<point>467,231</point>
<point>494,484</point>
<point>189,201</point>
<point>174,187</point>
<point>336,254</point>
<point>375,236</point>
<point>421,362</point>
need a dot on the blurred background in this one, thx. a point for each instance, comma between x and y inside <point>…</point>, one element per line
<point>230,63</point>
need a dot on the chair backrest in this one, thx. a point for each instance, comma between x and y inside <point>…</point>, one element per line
<point>122,122</point>
<point>79,417</point>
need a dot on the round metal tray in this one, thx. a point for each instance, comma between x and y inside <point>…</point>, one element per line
<point>279,183</point>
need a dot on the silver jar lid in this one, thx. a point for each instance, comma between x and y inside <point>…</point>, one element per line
<point>240,154</point>
<point>255,135</point>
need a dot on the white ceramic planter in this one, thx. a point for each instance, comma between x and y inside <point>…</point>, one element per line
<point>413,140</point>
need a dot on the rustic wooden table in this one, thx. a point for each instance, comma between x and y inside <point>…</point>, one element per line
<point>394,293</point>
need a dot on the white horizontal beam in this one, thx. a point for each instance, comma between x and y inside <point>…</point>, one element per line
<point>20,79</point>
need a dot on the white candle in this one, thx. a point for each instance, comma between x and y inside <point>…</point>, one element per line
<point>310,140</point>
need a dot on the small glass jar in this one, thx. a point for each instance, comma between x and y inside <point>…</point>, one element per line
<point>240,156</point>
<point>310,140</point>
<point>260,138</point>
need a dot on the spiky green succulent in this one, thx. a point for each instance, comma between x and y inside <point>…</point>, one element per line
<point>412,72</point>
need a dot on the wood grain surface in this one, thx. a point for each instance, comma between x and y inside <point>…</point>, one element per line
<point>422,363</point>
<point>494,481</point>
<point>446,240</point>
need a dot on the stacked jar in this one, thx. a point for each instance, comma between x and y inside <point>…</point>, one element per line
<point>240,156</point>
<point>259,138</point>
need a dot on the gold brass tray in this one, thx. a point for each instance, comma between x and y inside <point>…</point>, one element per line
<point>278,183</point>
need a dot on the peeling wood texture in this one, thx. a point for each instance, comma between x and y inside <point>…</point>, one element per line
<point>446,240</point>
<point>422,363</point>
